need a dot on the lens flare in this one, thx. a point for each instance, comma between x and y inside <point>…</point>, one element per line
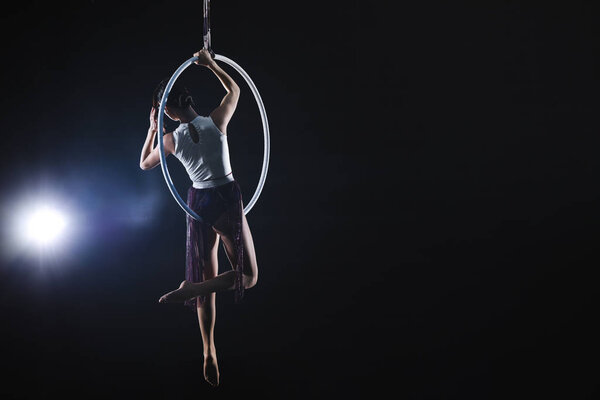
<point>45,226</point>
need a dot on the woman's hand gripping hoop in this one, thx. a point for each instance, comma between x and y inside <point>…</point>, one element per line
<point>265,124</point>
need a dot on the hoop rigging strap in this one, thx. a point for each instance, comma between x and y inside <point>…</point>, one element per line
<point>206,29</point>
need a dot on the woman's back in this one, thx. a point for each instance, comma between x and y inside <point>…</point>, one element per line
<point>203,150</point>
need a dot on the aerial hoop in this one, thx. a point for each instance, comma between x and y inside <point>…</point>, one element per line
<point>265,124</point>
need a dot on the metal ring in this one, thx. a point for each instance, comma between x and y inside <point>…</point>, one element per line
<point>265,123</point>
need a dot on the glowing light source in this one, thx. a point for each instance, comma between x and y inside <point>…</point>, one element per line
<point>45,226</point>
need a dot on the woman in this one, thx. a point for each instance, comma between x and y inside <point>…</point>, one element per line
<point>200,143</point>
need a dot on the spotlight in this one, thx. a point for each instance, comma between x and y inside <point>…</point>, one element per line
<point>45,226</point>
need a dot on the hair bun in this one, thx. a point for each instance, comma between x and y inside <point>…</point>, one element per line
<point>178,97</point>
<point>189,101</point>
<point>184,100</point>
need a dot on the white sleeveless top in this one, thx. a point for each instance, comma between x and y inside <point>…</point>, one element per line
<point>206,162</point>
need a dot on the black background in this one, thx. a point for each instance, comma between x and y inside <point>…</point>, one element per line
<point>429,223</point>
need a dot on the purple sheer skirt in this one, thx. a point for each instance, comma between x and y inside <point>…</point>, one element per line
<point>211,204</point>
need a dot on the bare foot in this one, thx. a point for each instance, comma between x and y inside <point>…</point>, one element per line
<point>211,370</point>
<point>185,292</point>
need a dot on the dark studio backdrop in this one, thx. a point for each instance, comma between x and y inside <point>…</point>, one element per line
<point>429,223</point>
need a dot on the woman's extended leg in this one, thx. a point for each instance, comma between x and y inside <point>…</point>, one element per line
<point>207,310</point>
<point>226,280</point>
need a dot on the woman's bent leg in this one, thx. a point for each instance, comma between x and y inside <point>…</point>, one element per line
<point>226,280</point>
<point>250,271</point>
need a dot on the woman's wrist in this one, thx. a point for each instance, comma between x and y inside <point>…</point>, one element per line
<point>212,66</point>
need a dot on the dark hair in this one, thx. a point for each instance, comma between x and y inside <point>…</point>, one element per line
<point>179,96</point>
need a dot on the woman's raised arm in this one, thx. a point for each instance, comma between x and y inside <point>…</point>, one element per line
<point>223,113</point>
